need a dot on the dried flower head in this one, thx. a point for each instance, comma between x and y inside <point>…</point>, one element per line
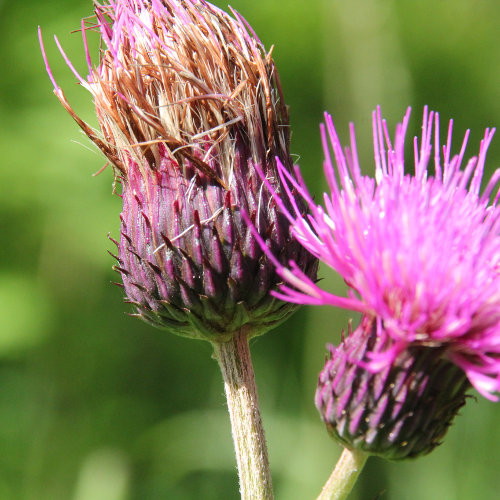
<point>189,105</point>
<point>420,254</point>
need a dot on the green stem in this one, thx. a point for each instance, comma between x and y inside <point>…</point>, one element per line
<point>344,475</point>
<point>242,402</point>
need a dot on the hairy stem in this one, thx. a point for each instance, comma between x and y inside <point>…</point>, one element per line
<point>248,434</point>
<point>344,475</point>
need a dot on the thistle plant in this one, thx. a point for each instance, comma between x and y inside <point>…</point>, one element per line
<point>190,109</point>
<point>420,253</point>
<point>220,238</point>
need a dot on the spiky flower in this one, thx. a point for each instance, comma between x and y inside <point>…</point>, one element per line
<point>190,108</point>
<point>420,254</point>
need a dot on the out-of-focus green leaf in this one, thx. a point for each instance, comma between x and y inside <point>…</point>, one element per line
<point>25,314</point>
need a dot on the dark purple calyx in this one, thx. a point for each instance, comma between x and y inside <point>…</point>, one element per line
<point>188,260</point>
<point>402,411</point>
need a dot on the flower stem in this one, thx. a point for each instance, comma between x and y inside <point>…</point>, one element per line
<point>248,434</point>
<point>344,475</point>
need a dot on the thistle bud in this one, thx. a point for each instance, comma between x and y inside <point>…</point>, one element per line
<point>400,411</point>
<point>192,114</point>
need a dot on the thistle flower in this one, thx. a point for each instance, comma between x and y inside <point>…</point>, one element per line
<point>420,254</point>
<point>190,106</point>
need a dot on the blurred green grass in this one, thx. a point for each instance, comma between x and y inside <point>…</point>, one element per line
<point>95,405</point>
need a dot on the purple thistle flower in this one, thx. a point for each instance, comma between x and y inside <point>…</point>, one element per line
<point>421,257</point>
<point>190,108</point>
<point>420,253</point>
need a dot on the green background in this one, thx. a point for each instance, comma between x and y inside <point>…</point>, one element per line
<point>95,405</point>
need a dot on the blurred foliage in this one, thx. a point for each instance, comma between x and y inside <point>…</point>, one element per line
<point>95,405</point>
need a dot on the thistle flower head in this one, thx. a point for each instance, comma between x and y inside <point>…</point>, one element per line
<point>420,253</point>
<point>419,249</point>
<point>190,107</point>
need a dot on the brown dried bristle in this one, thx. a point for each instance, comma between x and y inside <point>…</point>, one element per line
<point>184,82</point>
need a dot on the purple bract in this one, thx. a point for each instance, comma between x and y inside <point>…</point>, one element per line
<point>402,410</point>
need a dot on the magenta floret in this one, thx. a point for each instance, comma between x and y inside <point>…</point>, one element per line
<point>419,250</point>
